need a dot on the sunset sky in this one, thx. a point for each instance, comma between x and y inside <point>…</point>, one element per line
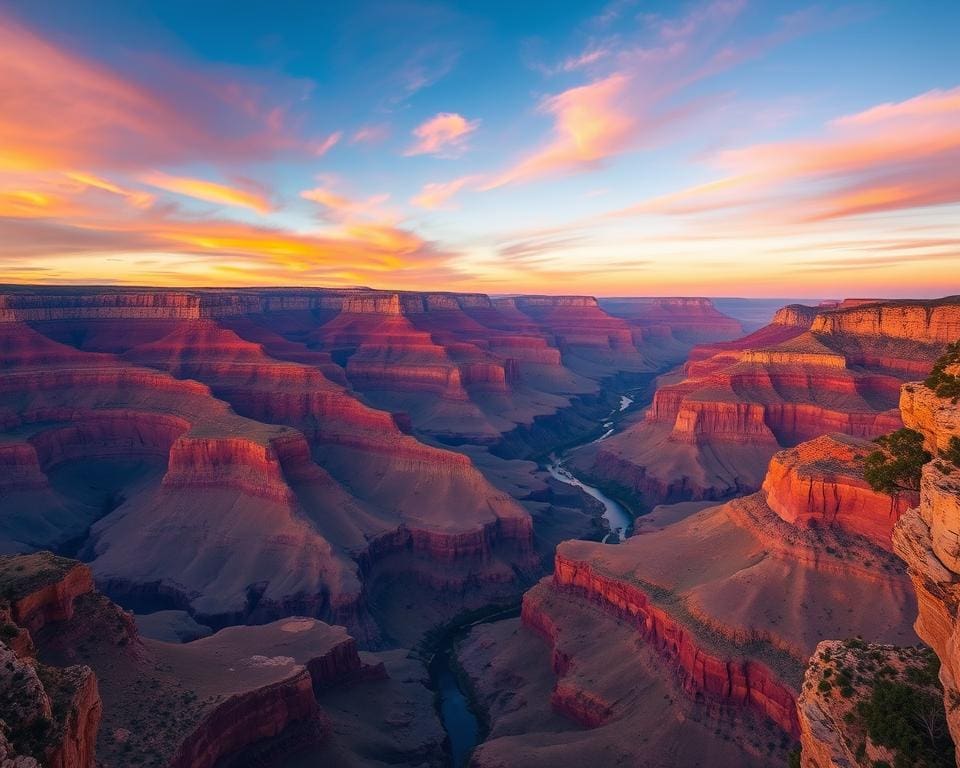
<point>727,147</point>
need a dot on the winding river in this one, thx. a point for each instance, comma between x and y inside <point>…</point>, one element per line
<point>618,519</point>
<point>459,720</point>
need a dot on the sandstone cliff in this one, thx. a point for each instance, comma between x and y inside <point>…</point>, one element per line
<point>926,538</point>
<point>821,483</point>
<point>864,704</point>
<point>50,714</point>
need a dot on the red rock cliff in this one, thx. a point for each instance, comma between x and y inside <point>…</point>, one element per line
<point>821,482</point>
<point>731,680</point>
<point>927,540</point>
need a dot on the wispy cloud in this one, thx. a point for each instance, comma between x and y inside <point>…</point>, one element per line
<point>370,134</point>
<point>422,68</point>
<point>63,110</point>
<point>890,157</point>
<point>591,122</point>
<point>209,191</point>
<point>438,194</point>
<point>640,100</point>
<point>320,148</point>
<point>340,207</point>
<point>445,134</point>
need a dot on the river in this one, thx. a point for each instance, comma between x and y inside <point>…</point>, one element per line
<point>459,720</point>
<point>618,519</point>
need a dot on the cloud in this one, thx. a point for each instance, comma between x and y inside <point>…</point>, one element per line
<point>136,198</point>
<point>209,191</point>
<point>63,110</point>
<point>639,98</point>
<point>325,145</point>
<point>591,122</point>
<point>424,67</point>
<point>214,248</point>
<point>438,194</point>
<point>370,134</point>
<point>443,134</point>
<point>890,157</point>
<point>345,208</point>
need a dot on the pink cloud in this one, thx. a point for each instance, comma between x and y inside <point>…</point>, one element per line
<point>341,207</point>
<point>889,157</point>
<point>325,145</point>
<point>591,122</point>
<point>370,134</point>
<point>63,110</point>
<point>438,194</point>
<point>641,96</point>
<point>443,134</point>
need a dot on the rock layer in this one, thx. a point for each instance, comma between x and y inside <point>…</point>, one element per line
<point>821,482</point>
<point>811,371</point>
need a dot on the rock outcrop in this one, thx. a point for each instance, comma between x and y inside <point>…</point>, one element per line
<point>48,714</point>
<point>927,538</point>
<point>848,683</point>
<point>96,693</point>
<point>821,483</point>
<point>811,371</point>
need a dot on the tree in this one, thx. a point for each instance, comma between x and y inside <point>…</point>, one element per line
<point>895,466</point>
<point>952,453</point>
<point>943,383</point>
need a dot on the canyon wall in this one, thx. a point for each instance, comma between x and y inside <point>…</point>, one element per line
<point>92,692</point>
<point>703,672</point>
<point>927,538</point>
<point>813,370</point>
<point>821,483</point>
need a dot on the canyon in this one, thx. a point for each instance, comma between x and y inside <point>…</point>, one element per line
<point>221,458</point>
<point>272,508</point>
<point>713,427</point>
<point>714,609</point>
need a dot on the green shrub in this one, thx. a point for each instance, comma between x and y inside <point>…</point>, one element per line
<point>910,721</point>
<point>896,466</point>
<point>943,383</point>
<point>952,453</point>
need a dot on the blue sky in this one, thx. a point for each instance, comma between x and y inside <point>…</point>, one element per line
<point>723,147</point>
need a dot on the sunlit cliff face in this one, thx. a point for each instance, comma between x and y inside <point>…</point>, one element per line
<point>716,147</point>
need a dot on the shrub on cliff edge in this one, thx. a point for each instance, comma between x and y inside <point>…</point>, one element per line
<point>952,453</point>
<point>896,466</point>
<point>943,383</point>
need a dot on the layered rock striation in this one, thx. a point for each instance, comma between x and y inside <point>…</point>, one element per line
<point>734,598</point>
<point>709,434</point>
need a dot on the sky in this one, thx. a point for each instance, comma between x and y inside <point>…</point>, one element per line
<point>722,148</point>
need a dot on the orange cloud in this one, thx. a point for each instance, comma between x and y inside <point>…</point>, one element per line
<point>351,252</point>
<point>135,198</point>
<point>208,191</point>
<point>438,194</point>
<point>591,122</point>
<point>444,133</point>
